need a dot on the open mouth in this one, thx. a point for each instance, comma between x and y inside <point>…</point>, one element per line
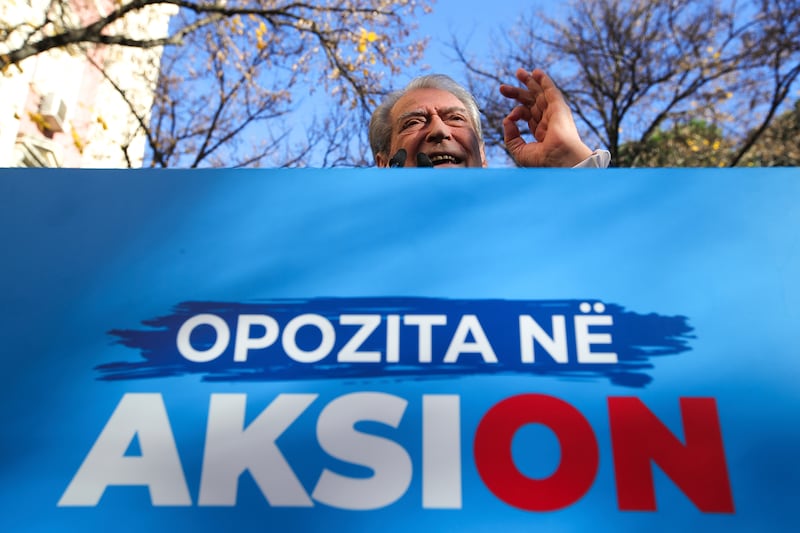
<point>444,159</point>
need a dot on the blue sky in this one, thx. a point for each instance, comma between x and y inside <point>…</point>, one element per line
<point>475,20</point>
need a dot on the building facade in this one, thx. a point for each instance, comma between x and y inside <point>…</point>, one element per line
<point>77,106</point>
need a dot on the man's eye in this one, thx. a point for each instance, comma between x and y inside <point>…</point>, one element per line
<point>410,123</point>
<point>457,118</point>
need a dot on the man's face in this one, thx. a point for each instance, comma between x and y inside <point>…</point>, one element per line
<point>436,123</point>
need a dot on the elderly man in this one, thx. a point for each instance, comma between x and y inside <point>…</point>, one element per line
<point>436,122</point>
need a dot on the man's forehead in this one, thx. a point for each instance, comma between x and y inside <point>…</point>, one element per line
<point>425,100</point>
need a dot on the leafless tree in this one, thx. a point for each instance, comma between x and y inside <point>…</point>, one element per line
<point>232,71</point>
<point>632,68</point>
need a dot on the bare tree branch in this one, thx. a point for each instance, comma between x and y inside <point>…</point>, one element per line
<point>630,69</point>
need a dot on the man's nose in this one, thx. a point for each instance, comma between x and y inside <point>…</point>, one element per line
<point>437,130</point>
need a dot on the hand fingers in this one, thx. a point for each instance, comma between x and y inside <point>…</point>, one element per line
<point>546,87</point>
<point>539,88</point>
<point>533,116</point>
<point>520,112</point>
<point>533,81</point>
<point>511,135</point>
<point>543,81</point>
<point>534,94</point>
<point>539,131</point>
<point>535,99</point>
<point>519,94</point>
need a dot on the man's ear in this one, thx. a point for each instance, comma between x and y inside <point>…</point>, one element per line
<point>382,160</point>
<point>484,163</point>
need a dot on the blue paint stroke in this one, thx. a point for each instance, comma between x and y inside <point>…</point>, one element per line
<point>636,339</point>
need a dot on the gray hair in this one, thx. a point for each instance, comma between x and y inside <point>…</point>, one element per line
<point>380,125</point>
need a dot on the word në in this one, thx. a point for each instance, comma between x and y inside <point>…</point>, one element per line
<point>638,441</point>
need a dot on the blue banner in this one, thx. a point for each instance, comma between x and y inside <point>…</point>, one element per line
<point>300,350</point>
